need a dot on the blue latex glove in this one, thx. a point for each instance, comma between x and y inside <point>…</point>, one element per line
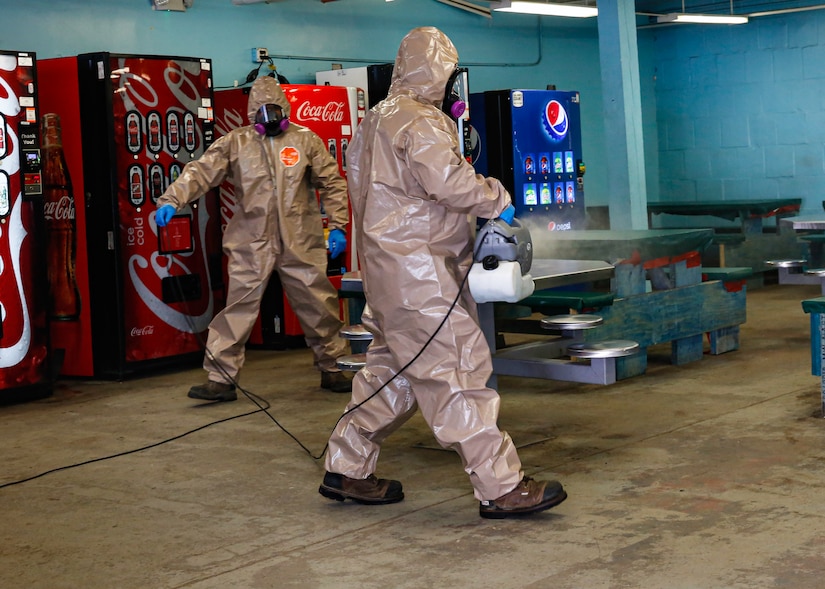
<point>337,243</point>
<point>508,214</point>
<point>164,214</point>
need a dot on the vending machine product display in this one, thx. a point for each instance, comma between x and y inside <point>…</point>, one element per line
<point>531,141</point>
<point>25,370</point>
<point>332,112</point>
<point>124,126</point>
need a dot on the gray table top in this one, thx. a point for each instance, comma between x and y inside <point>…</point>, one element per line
<point>805,222</point>
<point>552,273</point>
<point>616,245</point>
<point>546,273</point>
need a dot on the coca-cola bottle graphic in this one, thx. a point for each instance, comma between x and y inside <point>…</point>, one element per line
<point>189,131</point>
<point>154,141</point>
<point>64,299</point>
<point>173,131</point>
<point>156,182</point>
<point>3,148</point>
<point>5,197</point>
<point>174,172</point>
<point>133,132</point>
<point>136,186</point>
<point>332,150</point>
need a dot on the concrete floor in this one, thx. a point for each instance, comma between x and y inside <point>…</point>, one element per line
<point>708,475</point>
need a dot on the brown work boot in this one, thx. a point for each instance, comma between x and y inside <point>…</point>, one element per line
<point>369,491</point>
<point>213,391</point>
<point>337,382</point>
<point>529,496</point>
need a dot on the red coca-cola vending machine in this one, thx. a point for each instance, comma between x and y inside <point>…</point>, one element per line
<point>24,331</point>
<point>129,124</point>
<point>333,113</point>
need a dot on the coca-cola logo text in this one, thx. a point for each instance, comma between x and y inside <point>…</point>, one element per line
<point>17,336</point>
<point>139,331</point>
<point>329,112</point>
<point>59,210</point>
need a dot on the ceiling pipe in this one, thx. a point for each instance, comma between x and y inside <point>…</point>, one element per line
<point>457,3</point>
<point>787,10</point>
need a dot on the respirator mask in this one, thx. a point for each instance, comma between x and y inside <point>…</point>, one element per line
<point>270,120</point>
<point>452,104</point>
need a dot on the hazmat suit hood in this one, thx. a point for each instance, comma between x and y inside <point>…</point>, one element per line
<point>266,90</point>
<point>425,61</point>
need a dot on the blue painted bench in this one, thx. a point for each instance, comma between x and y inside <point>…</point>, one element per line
<point>715,306</point>
<point>729,274</point>
<point>578,300</point>
<point>741,235</point>
<point>547,302</point>
<point>816,309</point>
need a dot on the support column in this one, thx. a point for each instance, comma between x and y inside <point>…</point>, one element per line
<point>623,114</point>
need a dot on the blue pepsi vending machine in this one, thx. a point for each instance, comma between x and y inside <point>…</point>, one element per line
<point>531,141</point>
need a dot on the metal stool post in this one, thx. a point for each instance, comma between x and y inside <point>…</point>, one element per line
<point>359,339</point>
<point>352,363</point>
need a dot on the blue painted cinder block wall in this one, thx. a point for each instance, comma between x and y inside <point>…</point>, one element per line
<point>728,112</point>
<point>740,109</point>
<point>305,36</point>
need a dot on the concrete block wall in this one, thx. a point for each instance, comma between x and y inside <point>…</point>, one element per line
<point>740,110</point>
<point>305,36</point>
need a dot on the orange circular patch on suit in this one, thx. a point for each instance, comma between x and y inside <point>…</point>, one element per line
<point>290,156</point>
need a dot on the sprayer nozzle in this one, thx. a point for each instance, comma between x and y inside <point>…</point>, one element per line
<point>489,262</point>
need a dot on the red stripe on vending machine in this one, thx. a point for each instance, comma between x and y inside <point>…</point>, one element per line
<point>332,113</point>
<point>129,124</point>
<point>25,370</point>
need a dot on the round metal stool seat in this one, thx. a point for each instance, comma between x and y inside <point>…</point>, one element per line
<point>816,272</point>
<point>786,263</point>
<point>355,332</point>
<point>352,363</point>
<point>572,322</point>
<point>614,348</point>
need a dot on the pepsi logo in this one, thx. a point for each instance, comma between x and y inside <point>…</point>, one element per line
<point>553,226</point>
<point>555,120</point>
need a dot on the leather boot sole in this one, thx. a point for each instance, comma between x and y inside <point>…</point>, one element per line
<point>497,513</point>
<point>202,393</point>
<point>368,491</point>
<point>338,495</point>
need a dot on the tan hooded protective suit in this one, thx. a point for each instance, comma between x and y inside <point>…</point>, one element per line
<point>277,225</point>
<point>415,199</point>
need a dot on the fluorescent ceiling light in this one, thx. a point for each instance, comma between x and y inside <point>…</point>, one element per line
<point>468,6</point>
<point>713,19</point>
<point>545,8</point>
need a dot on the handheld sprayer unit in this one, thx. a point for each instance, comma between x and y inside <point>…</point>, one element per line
<point>501,268</point>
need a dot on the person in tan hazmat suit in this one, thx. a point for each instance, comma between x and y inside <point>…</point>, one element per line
<point>413,195</point>
<point>275,166</point>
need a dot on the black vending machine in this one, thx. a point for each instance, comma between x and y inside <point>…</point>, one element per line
<point>531,141</point>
